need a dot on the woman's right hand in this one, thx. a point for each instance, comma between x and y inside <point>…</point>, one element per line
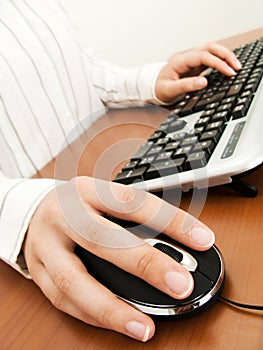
<point>73,213</point>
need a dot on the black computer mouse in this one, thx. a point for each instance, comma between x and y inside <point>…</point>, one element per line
<point>206,267</point>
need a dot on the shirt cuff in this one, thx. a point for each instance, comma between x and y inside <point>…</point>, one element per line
<point>147,81</point>
<point>18,202</point>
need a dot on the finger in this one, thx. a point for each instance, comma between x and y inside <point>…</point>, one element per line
<point>211,55</point>
<point>142,260</point>
<point>72,290</point>
<point>210,60</point>
<point>144,208</point>
<point>225,54</point>
<point>176,87</point>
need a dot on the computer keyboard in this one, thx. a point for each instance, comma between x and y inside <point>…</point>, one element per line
<point>209,135</point>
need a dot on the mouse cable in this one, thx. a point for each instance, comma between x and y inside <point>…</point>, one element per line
<point>245,306</point>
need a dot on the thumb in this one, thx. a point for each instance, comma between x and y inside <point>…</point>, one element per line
<point>172,88</point>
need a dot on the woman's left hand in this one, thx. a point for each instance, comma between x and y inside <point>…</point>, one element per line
<point>181,74</point>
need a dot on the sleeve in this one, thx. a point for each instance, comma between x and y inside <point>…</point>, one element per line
<point>19,199</point>
<point>114,84</point>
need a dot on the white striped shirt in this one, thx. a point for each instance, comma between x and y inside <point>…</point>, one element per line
<point>48,84</point>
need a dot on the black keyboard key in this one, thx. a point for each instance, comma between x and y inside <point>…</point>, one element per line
<point>219,126</point>
<point>164,128</point>
<point>206,146</point>
<point>172,146</point>
<point>203,102</point>
<point>189,141</point>
<point>213,135</point>
<point>145,162</point>
<point>224,116</point>
<point>156,135</point>
<point>207,113</point>
<point>179,136</point>
<point>224,107</point>
<point>189,107</point>
<point>154,150</point>
<point>163,156</point>
<point>202,121</point>
<point>161,169</point>
<point>127,177</point>
<point>197,131</point>
<point>234,89</point>
<point>131,165</point>
<point>177,125</point>
<point>182,152</point>
<point>196,160</point>
<point>142,150</point>
<point>239,111</point>
<point>162,142</point>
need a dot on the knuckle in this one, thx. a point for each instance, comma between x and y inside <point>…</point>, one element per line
<point>57,300</point>
<point>106,316</point>
<point>207,46</point>
<point>64,280</point>
<point>146,262</point>
<point>80,182</point>
<point>94,232</point>
<point>132,199</point>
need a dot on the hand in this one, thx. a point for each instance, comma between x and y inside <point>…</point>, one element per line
<point>182,72</point>
<point>72,214</point>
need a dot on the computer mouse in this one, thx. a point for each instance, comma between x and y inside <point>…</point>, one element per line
<point>206,267</point>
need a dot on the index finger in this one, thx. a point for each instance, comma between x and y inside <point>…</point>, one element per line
<point>131,204</point>
<point>224,54</point>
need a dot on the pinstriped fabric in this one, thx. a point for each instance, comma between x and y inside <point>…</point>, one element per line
<point>49,85</point>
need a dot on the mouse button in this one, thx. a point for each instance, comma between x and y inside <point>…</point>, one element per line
<point>202,286</point>
<point>209,263</point>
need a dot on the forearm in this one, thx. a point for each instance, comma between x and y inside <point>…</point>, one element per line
<point>116,85</point>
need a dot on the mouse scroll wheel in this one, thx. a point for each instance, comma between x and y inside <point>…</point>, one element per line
<point>172,252</point>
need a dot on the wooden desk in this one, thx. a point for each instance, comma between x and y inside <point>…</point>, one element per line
<point>28,321</point>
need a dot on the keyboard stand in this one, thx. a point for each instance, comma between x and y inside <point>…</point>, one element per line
<point>242,187</point>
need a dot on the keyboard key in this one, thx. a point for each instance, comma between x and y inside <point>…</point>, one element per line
<point>157,135</point>
<point>239,111</point>
<point>163,156</point>
<point>202,121</point>
<point>145,161</point>
<point>130,165</point>
<point>234,90</point>
<point>154,150</point>
<point>224,116</point>
<point>182,152</point>
<point>177,125</point>
<point>206,146</point>
<point>202,103</point>
<point>165,168</point>
<point>219,126</point>
<point>143,150</point>
<point>189,141</point>
<point>213,135</point>
<point>128,177</point>
<point>189,107</point>
<point>196,160</point>
<point>172,146</point>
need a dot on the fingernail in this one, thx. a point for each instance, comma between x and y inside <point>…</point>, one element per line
<point>231,71</point>
<point>138,330</point>
<point>202,237</point>
<point>179,283</point>
<point>238,64</point>
<point>200,82</point>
